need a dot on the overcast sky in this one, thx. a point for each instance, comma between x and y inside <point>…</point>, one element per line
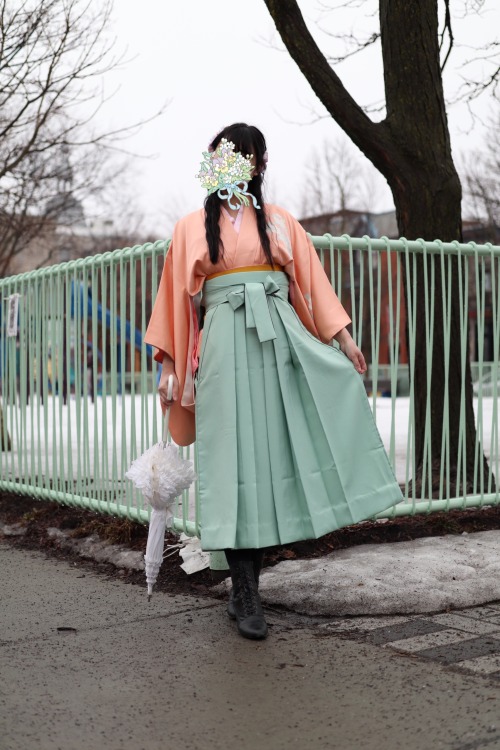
<point>222,61</point>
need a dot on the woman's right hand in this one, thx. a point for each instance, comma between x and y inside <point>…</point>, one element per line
<point>351,350</point>
<point>167,370</point>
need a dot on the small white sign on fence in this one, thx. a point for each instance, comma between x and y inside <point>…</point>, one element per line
<point>12,316</point>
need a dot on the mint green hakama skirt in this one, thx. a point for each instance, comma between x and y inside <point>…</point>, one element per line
<point>286,442</point>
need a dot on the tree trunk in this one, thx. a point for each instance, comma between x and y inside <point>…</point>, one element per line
<point>411,148</point>
<point>427,195</point>
<point>452,370</point>
<point>5,443</point>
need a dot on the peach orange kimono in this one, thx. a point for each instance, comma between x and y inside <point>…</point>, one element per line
<point>286,444</point>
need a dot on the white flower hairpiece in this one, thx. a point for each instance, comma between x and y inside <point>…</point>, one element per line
<point>227,173</point>
<point>265,157</point>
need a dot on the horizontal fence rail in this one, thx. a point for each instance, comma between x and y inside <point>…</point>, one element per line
<point>78,383</point>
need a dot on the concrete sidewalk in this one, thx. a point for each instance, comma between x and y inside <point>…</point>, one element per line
<point>87,663</point>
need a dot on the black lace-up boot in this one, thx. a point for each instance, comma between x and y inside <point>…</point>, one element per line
<point>246,602</point>
<point>257,556</point>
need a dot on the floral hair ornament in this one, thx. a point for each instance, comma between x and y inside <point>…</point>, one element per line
<point>227,173</point>
<point>265,157</point>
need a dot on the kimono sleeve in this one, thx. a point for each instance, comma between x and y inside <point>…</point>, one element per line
<point>314,298</point>
<point>168,326</point>
<point>173,330</point>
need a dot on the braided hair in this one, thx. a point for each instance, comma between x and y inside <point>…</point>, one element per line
<point>247,139</point>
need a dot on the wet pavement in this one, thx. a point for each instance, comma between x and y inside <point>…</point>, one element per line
<point>86,662</point>
<point>468,640</point>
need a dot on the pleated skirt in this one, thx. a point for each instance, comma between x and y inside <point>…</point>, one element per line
<point>287,447</point>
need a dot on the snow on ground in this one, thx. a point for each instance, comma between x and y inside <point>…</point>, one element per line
<point>54,448</point>
<point>424,575</point>
<point>383,414</point>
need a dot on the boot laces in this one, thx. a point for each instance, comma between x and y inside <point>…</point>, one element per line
<point>248,593</point>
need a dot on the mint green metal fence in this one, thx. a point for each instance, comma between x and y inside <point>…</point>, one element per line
<point>368,276</point>
<point>78,384</point>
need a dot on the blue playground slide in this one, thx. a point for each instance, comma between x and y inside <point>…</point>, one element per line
<point>104,315</point>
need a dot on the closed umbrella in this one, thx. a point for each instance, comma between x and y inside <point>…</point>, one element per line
<point>161,474</point>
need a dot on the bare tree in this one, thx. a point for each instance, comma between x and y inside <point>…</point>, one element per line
<point>52,54</point>
<point>481,178</point>
<point>332,179</point>
<point>411,148</point>
<point>337,178</point>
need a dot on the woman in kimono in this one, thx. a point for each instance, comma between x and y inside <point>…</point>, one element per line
<point>286,443</point>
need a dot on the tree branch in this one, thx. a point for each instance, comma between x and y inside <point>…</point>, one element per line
<point>359,46</point>
<point>447,27</point>
<point>49,52</point>
<point>370,137</point>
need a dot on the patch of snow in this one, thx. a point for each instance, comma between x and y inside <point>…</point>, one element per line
<point>93,548</point>
<point>15,529</point>
<point>421,576</point>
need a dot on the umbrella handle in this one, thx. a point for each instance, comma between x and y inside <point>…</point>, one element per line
<point>166,418</point>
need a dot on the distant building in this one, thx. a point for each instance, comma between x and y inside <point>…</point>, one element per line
<point>353,223</point>
<point>63,232</point>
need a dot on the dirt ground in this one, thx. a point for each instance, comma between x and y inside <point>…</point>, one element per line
<point>37,516</point>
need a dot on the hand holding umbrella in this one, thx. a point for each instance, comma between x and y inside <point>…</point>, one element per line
<point>161,474</point>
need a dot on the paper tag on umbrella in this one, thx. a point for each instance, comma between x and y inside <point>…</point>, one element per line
<point>12,314</point>
<point>194,558</point>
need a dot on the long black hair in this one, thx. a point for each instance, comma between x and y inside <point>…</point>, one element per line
<point>247,139</point>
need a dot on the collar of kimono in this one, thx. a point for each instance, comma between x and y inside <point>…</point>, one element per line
<point>227,172</point>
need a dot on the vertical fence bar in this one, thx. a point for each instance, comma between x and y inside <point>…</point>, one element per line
<point>123,266</point>
<point>96,360</point>
<point>87,378</point>
<point>31,361</point>
<point>338,266</point>
<point>429,338</point>
<point>374,324</point>
<point>446,279</point>
<point>495,373</point>
<point>411,312</point>
<point>479,270</point>
<point>23,386</point>
<point>69,486</point>
<point>145,419</point>
<point>393,350</point>
<point>361,298</point>
<point>463,283</point>
<point>355,332</point>
<point>112,459</point>
<point>58,344</point>
<point>103,454</point>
